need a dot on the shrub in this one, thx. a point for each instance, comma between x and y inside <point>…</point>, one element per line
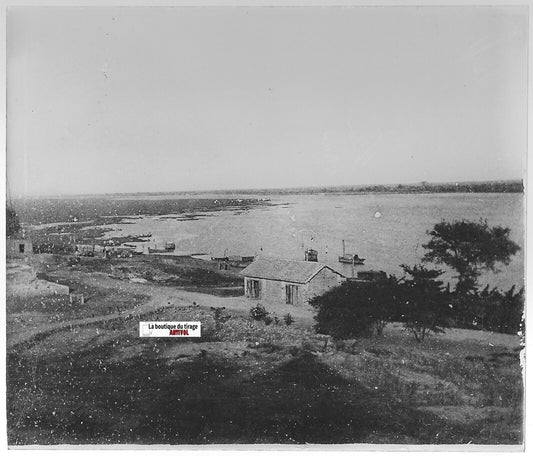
<point>220,318</point>
<point>288,319</point>
<point>258,312</point>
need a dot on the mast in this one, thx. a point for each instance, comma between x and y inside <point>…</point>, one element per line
<point>343,249</point>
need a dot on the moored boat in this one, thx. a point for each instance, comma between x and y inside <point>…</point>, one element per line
<point>311,255</point>
<point>350,258</point>
<point>236,261</point>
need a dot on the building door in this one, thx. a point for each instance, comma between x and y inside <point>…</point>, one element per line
<point>253,289</point>
<point>291,294</point>
<point>21,248</point>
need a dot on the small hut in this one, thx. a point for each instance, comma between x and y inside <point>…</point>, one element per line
<point>278,281</point>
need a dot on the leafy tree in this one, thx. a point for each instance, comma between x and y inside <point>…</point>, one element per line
<point>491,310</point>
<point>12,222</point>
<point>384,302</point>
<point>504,310</point>
<point>356,309</point>
<point>424,302</point>
<point>469,248</point>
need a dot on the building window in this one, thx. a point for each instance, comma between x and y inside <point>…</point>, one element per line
<point>291,294</point>
<point>21,248</point>
<point>253,289</point>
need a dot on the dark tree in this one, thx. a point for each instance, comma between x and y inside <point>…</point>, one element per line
<point>424,302</point>
<point>469,248</point>
<point>490,310</point>
<point>356,309</point>
<point>12,222</point>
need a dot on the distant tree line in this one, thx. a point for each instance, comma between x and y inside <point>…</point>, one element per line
<point>514,186</point>
<point>420,300</point>
<point>425,187</point>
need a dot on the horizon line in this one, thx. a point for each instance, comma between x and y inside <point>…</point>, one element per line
<point>274,190</point>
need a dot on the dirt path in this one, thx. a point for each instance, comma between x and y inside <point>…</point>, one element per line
<point>161,294</point>
<point>160,297</point>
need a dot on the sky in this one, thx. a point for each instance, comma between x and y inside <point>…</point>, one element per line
<point>106,100</point>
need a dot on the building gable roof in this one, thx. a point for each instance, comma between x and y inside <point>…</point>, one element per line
<point>284,270</point>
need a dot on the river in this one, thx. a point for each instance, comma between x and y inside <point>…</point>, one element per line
<point>385,229</point>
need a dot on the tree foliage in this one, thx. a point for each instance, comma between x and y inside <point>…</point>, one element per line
<point>356,309</point>
<point>490,310</point>
<point>469,248</point>
<point>12,222</point>
<point>424,302</point>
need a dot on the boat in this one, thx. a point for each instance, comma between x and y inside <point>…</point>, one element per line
<point>311,255</point>
<point>236,261</point>
<point>155,250</point>
<point>350,258</point>
<point>168,247</point>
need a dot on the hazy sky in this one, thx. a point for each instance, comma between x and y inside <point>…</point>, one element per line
<point>168,99</point>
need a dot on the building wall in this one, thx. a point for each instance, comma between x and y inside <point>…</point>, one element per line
<point>325,280</point>
<point>21,281</point>
<point>265,289</point>
<point>271,291</point>
<point>13,248</point>
<point>274,291</point>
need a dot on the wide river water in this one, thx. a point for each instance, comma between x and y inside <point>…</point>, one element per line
<point>385,229</point>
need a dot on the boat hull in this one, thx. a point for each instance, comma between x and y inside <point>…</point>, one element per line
<point>348,260</point>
